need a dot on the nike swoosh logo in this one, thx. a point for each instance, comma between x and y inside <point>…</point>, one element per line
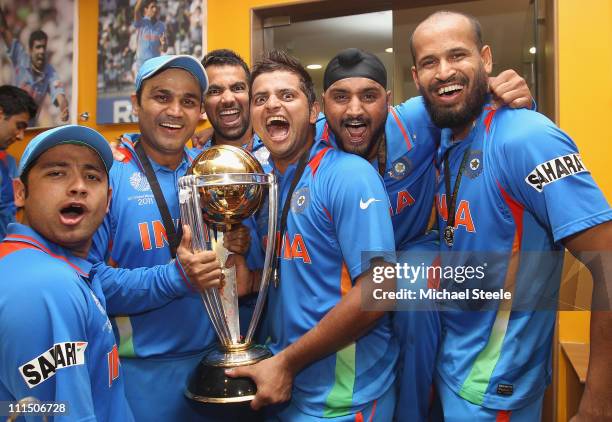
<point>366,204</point>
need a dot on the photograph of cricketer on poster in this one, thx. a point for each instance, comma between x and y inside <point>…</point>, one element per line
<point>133,31</point>
<point>36,55</point>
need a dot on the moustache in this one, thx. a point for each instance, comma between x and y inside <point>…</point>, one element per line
<point>458,79</point>
<point>346,122</point>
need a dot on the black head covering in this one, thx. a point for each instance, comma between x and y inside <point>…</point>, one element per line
<point>351,63</point>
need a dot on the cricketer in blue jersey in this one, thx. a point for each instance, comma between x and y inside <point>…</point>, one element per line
<point>151,32</point>
<point>16,109</point>
<point>33,73</point>
<point>330,358</point>
<point>505,180</point>
<point>162,346</point>
<point>400,142</point>
<point>57,342</point>
<point>61,295</point>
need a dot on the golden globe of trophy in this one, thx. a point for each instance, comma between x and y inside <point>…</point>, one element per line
<point>224,186</point>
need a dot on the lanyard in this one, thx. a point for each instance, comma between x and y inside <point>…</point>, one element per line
<point>285,213</point>
<point>382,156</point>
<point>451,202</point>
<point>173,238</point>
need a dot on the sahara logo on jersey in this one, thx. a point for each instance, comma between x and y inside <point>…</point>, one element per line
<point>555,169</point>
<point>45,365</point>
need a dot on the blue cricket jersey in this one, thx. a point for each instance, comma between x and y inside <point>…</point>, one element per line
<point>132,235</point>
<point>162,345</point>
<point>148,43</point>
<point>410,172</point>
<point>523,190</point>
<point>34,83</point>
<point>338,209</point>
<point>8,171</point>
<point>56,342</point>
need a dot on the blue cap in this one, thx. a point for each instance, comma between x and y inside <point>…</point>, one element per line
<point>188,63</point>
<point>69,134</point>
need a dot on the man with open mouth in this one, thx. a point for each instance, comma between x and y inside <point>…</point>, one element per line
<point>400,143</point>
<point>34,74</point>
<point>330,357</point>
<point>56,341</point>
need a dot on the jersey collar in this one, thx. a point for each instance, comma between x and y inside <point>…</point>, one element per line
<point>255,143</point>
<point>447,143</point>
<point>128,141</point>
<point>24,234</point>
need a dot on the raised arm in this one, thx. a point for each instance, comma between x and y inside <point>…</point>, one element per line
<point>593,247</point>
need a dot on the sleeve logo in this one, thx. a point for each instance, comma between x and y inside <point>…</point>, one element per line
<point>45,365</point>
<point>555,169</point>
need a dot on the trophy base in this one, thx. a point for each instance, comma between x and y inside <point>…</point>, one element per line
<point>209,384</point>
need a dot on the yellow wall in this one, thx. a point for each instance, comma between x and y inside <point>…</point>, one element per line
<point>585,82</point>
<point>585,102</point>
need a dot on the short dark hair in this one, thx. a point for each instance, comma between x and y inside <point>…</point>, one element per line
<point>39,34</point>
<point>275,60</point>
<point>147,3</point>
<point>225,57</point>
<point>476,29</point>
<point>15,100</point>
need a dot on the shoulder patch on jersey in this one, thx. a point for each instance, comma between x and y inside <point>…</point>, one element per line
<point>58,356</point>
<point>554,170</point>
<point>474,164</point>
<point>139,182</point>
<point>400,168</point>
<point>263,156</point>
<point>300,200</point>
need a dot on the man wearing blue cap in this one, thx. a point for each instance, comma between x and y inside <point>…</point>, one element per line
<point>159,348</point>
<point>56,342</point>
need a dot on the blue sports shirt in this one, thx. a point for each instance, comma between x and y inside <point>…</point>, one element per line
<point>410,172</point>
<point>338,203</point>
<point>56,342</point>
<point>8,171</point>
<point>148,36</point>
<point>523,190</point>
<point>133,235</point>
<point>34,83</point>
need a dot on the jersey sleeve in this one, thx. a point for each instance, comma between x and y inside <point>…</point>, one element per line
<point>414,116</point>
<point>359,209</point>
<point>44,343</point>
<point>543,170</point>
<point>102,241</point>
<point>18,54</point>
<point>141,289</point>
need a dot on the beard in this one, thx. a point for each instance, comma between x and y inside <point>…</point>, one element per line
<point>231,134</point>
<point>476,98</point>
<point>365,150</point>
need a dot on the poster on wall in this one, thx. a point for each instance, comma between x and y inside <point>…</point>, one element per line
<point>132,31</point>
<point>37,54</point>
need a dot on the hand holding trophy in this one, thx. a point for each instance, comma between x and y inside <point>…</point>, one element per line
<point>224,186</point>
